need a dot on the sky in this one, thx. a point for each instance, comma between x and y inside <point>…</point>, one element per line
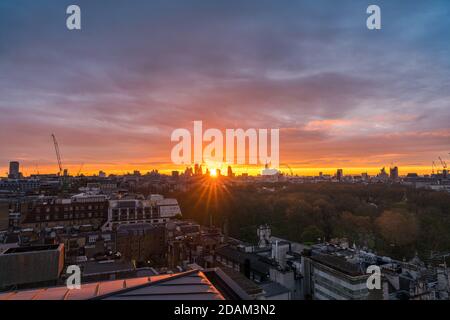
<point>342,96</point>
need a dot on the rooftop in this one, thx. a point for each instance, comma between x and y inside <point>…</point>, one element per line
<point>94,267</point>
<point>338,263</point>
<point>31,249</point>
<point>240,257</point>
<point>273,289</point>
<point>190,285</point>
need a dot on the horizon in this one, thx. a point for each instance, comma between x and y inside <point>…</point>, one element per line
<point>239,170</point>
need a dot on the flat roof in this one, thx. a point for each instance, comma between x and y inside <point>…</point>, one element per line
<point>95,267</point>
<point>257,263</point>
<point>338,263</point>
<point>273,289</point>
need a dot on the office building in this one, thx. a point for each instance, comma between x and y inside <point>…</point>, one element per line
<point>14,171</point>
<point>339,174</point>
<point>230,172</point>
<point>79,210</point>
<point>155,210</point>
<point>328,277</point>
<point>393,173</point>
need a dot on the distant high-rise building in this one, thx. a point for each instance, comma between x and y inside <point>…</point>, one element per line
<point>393,173</point>
<point>188,172</point>
<point>339,174</point>
<point>383,175</point>
<point>230,172</point>
<point>14,170</point>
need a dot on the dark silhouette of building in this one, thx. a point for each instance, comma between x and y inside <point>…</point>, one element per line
<point>14,172</point>
<point>339,174</point>
<point>393,173</point>
<point>230,172</point>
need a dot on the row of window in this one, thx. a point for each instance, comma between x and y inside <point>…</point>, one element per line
<point>131,210</point>
<point>68,208</point>
<point>338,289</point>
<point>124,217</point>
<point>66,216</point>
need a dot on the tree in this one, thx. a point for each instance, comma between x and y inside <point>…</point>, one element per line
<point>398,227</point>
<point>312,234</point>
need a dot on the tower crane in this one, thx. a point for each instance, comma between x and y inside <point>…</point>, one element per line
<point>79,170</point>
<point>58,156</point>
<point>287,166</point>
<point>443,163</point>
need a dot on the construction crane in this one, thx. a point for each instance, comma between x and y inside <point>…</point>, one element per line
<point>58,156</point>
<point>443,163</point>
<point>433,167</point>
<point>287,166</point>
<point>79,170</point>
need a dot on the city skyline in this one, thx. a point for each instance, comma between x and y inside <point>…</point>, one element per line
<point>341,95</point>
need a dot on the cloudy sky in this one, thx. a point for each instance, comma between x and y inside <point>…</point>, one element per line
<point>342,95</point>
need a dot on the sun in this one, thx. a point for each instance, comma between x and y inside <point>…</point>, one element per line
<point>213,173</point>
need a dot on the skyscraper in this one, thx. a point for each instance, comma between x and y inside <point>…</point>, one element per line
<point>230,172</point>
<point>339,174</point>
<point>393,173</point>
<point>14,170</point>
<point>196,169</point>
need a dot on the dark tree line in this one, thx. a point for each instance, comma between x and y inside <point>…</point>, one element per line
<point>393,220</point>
